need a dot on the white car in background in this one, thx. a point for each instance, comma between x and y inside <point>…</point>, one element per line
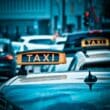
<point>38,41</point>
<point>43,42</point>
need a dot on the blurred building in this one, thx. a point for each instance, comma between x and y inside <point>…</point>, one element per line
<point>106,14</point>
<point>19,17</point>
<point>40,16</point>
<point>99,9</point>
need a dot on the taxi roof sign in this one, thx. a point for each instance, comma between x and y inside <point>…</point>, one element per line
<point>95,42</point>
<point>38,57</point>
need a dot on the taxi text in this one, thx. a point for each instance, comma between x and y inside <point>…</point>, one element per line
<point>95,42</point>
<point>40,58</point>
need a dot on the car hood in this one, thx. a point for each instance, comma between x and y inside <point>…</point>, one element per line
<point>58,91</point>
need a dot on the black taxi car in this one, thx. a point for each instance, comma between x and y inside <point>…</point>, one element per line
<point>72,90</point>
<point>7,59</point>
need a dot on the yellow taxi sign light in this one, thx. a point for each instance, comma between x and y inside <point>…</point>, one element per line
<point>93,42</point>
<point>41,57</point>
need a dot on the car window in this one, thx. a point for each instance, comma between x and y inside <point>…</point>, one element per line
<point>1,47</point>
<point>4,47</point>
<point>42,41</point>
<point>100,66</point>
<point>61,42</point>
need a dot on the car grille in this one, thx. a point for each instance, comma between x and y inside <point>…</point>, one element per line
<point>6,105</point>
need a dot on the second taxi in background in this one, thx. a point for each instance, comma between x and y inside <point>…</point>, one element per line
<point>88,50</point>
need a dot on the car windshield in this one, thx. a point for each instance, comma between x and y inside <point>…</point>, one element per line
<point>42,41</point>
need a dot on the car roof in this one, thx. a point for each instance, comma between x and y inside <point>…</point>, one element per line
<point>36,37</point>
<point>54,78</point>
<point>17,43</point>
<point>86,31</point>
